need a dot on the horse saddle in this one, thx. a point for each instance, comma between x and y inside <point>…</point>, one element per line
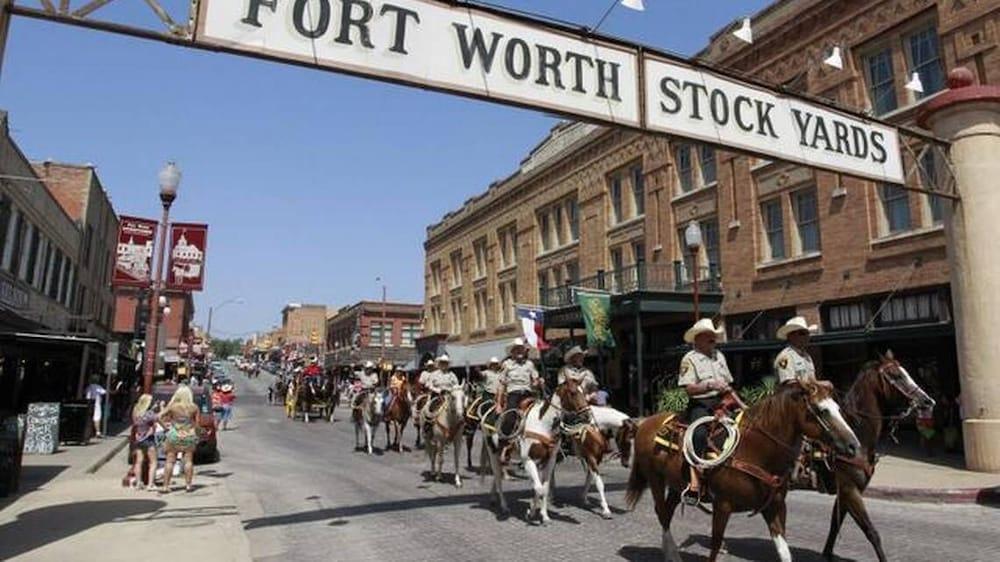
<point>670,435</point>
<point>359,399</point>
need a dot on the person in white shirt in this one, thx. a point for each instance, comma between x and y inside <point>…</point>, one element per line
<point>95,393</point>
<point>794,364</point>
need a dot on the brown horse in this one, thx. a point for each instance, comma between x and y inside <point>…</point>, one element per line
<point>883,392</point>
<point>755,478</point>
<point>396,416</point>
<point>589,444</point>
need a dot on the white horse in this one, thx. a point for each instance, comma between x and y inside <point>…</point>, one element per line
<point>536,447</point>
<point>444,427</point>
<point>367,415</point>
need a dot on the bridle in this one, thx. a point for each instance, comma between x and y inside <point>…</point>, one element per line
<point>910,392</point>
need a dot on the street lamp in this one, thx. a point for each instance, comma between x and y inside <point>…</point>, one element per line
<point>692,239</point>
<point>170,179</point>
<point>382,331</point>
<point>236,300</point>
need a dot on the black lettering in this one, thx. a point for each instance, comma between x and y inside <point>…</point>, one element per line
<point>764,124</point>
<point>522,73</point>
<point>738,114</point>
<point>879,154</point>
<point>549,60</point>
<point>860,141</point>
<point>604,79</point>
<point>477,48</point>
<point>253,11</point>
<point>840,133</point>
<point>821,133</point>
<point>695,102</point>
<point>802,126</point>
<point>318,27</point>
<point>399,35</point>
<point>347,21</point>
<point>720,107</point>
<point>671,95</point>
<point>578,60</point>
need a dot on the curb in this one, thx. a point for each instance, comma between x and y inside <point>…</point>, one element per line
<point>979,496</point>
<point>107,456</point>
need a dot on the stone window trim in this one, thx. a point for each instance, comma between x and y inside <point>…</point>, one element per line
<point>891,239</point>
<point>773,265</point>
<point>694,192</point>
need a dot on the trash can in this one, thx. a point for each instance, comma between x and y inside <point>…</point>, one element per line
<point>11,443</point>
<point>74,421</point>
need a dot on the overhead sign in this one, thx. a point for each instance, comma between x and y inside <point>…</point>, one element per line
<point>187,256</point>
<point>700,105</point>
<point>134,257</point>
<point>494,55</point>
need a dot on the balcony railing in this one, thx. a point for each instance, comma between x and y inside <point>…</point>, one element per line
<point>673,278</point>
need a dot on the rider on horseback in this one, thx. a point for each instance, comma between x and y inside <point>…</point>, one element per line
<point>396,381</point>
<point>367,382</point>
<point>706,378</point>
<point>425,375</point>
<point>794,364</point>
<point>575,371</point>
<point>519,380</point>
<point>439,383</point>
<point>491,380</point>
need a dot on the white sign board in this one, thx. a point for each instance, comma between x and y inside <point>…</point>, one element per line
<point>493,55</point>
<point>701,105</point>
<point>453,48</point>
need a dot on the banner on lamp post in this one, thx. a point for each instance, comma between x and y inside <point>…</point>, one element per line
<point>187,256</point>
<point>134,256</point>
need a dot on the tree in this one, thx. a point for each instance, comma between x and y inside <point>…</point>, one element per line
<point>225,348</point>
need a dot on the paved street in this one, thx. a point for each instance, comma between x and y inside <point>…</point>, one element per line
<point>304,495</point>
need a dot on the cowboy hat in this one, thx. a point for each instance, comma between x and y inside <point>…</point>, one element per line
<point>797,324</point>
<point>227,387</point>
<point>444,359</point>
<point>575,350</point>
<point>494,361</point>
<point>429,363</point>
<point>369,365</point>
<point>702,326</point>
<point>517,342</point>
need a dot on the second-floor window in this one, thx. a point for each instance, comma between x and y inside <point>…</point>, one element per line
<point>507,241</point>
<point>881,82</point>
<point>706,159</point>
<point>806,221</point>
<point>479,300</point>
<point>774,229</point>
<point>456,317</point>
<point>617,211</point>
<point>436,278</point>
<point>695,165</point>
<point>924,57</point>
<point>479,248</point>
<point>573,216</point>
<point>456,269</point>
<point>545,231</point>
<point>638,190</point>
<point>409,335</point>
<point>507,292</point>
<point>895,208</point>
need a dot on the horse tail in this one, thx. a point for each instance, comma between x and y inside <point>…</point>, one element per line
<point>637,484</point>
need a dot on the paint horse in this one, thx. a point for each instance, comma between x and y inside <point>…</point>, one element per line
<point>443,426</point>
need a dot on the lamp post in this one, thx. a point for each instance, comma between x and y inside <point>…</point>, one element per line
<point>692,239</point>
<point>170,178</point>
<point>208,329</point>
<point>382,331</point>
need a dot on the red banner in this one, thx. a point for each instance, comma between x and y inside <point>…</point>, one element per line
<point>134,258</point>
<point>187,256</point>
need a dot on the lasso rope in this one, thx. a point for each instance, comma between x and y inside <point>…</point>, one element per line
<point>728,448</point>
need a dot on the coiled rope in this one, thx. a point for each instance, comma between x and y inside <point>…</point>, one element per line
<point>728,448</point>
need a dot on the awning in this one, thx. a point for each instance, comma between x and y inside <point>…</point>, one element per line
<point>919,331</point>
<point>475,354</point>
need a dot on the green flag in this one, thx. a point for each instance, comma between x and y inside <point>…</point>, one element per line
<point>596,310</point>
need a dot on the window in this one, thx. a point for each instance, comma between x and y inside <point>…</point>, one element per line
<point>507,240</point>
<point>806,220</point>
<point>50,254</point>
<point>911,309</point>
<point>638,191</point>
<point>437,326</point>
<point>573,214</point>
<point>6,211</point>
<point>928,180</point>
<point>617,265</point>
<point>543,287</point>
<point>925,60</point>
<point>456,317</point>
<point>710,239</point>
<point>508,295</point>
<point>895,208</point>
<point>32,265</point>
<point>881,87</point>
<point>572,273</point>
<point>480,301</point>
<point>88,239</point>
<point>456,269</point>
<point>409,335</point>
<point>682,161</point>
<point>545,232</point>
<point>706,159</point>
<point>436,278</point>
<point>57,272</point>
<point>479,247</point>
<point>616,200</point>
<point>381,333</point>
<point>847,316</point>
<point>638,252</point>
<point>17,243</point>
<point>557,213</point>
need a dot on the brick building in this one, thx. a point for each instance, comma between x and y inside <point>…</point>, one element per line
<point>303,324</point>
<point>369,331</point>
<point>606,208</point>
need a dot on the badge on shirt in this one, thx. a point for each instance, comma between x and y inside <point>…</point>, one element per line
<point>685,365</point>
<point>783,362</point>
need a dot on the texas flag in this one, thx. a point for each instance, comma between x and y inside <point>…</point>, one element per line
<point>532,322</point>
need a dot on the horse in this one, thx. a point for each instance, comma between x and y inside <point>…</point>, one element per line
<point>418,405</point>
<point>366,413</point>
<point>397,415</point>
<point>308,395</point>
<point>472,424</point>
<point>537,447</point>
<point>755,477</point>
<point>883,391</point>
<point>580,426</point>
<point>444,426</point>
<point>331,396</point>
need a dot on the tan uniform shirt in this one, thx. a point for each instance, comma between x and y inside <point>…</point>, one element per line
<point>794,365</point>
<point>696,367</point>
<point>491,381</point>
<point>581,375</point>
<point>518,376</point>
<point>368,380</point>
<point>442,381</point>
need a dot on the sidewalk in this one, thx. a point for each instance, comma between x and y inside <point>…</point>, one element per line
<point>903,474</point>
<point>64,512</point>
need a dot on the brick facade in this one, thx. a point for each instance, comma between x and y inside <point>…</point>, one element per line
<point>354,333</point>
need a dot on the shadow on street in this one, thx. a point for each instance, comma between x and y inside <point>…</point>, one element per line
<point>39,527</point>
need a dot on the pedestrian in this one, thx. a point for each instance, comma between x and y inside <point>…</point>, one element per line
<point>181,418</point>
<point>226,399</point>
<point>95,393</point>
<point>144,419</point>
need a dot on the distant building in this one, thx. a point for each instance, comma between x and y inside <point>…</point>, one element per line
<point>303,325</point>
<point>369,331</point>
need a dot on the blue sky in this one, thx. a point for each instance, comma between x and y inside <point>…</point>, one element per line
<point>313,183</point>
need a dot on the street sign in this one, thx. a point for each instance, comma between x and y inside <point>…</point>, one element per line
<point>490,54</point>
<point>111,358</point>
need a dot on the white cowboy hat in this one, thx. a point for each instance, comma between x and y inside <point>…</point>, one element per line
<point>517,342</point>
<point>227,388</point>
<point>795,325</point>
<point>444,359</point>
<point>575,350</point>
<point>702,326</point>
<point>494,361</point>
<point>369,365</point>
<point>429,363</point>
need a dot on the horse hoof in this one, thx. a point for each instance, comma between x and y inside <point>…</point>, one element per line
<point>606,515</point>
